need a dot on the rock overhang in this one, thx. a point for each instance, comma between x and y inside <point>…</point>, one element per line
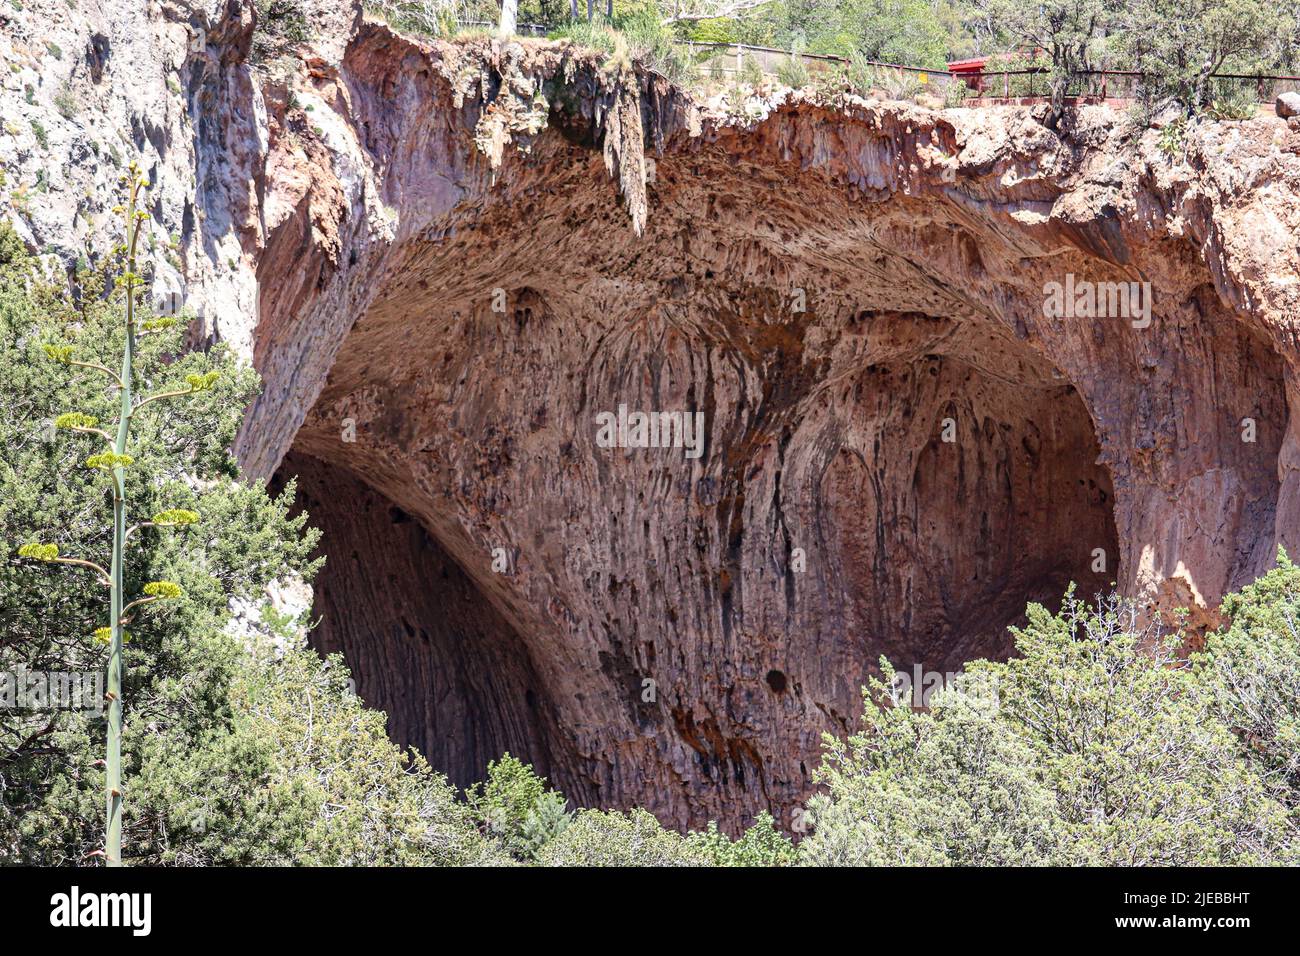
<point>525,240</point>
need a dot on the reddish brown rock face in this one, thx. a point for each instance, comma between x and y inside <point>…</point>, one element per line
<point>900,449</point>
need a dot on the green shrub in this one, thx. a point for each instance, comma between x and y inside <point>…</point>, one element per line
<point>1252,671</point>
<point>281,25</point>
<point>239,746</point>
<point>1180,44</point>
<point>593,36</point>
<point>416,17</point>
<point>514,806</point>
<point>1232,100</point>
<point>761,845</point>
<point>65,101</point>
<point>252,791</point>
<point>751,73</point>
<point>860,75</point>
<point>1102,747</point>
<point>639,35</point>
<point>1173,137</point>
<point>717,30</point>
<point>792,72</point>
<point>955,788</point>
<point>12,251</point>
<point>955,93</point>
<point>600,838</point>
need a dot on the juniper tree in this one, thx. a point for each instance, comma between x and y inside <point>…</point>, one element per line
<point>1098,744</point>
<point>1178,45</point>
<point>115,461</point>
<point>1067,31</point>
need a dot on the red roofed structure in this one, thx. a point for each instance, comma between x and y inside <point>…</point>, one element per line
<point>971,70</point>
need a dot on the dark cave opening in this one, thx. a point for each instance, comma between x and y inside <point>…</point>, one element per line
<point>421,641</point>
<point>970,486</point>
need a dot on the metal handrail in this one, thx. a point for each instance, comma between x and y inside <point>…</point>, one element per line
<point>537,29</point>
<point>697,44</point>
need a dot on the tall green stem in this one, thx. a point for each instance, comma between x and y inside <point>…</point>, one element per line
<point>113,783</point>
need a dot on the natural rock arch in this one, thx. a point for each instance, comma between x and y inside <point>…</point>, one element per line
<point>918,249</point>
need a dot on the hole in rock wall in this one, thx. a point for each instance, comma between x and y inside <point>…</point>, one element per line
<point>894,468</point>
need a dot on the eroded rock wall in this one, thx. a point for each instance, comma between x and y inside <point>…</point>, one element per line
<point>89,88</point>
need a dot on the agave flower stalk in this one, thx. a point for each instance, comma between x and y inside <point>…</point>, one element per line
<point>116,461</point>
<point>113,760</point>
